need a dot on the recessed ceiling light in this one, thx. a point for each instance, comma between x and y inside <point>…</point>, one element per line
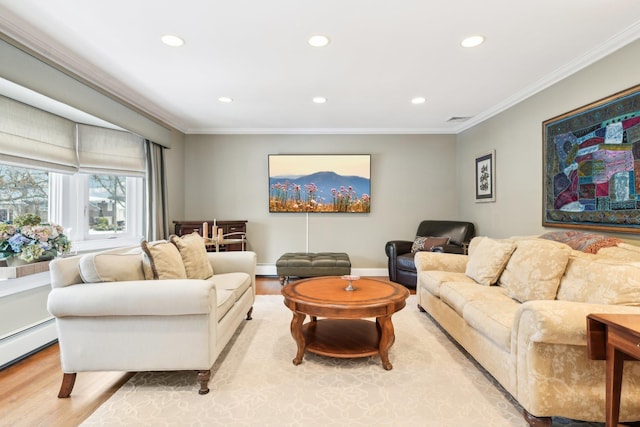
<point>418,100</point>
<point>318,41</point>
<point>225,99</point>
<point>171,40</point>
<point>319,99</point>
<point>472,41</point>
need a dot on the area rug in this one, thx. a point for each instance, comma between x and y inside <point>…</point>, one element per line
<point>254,383</point>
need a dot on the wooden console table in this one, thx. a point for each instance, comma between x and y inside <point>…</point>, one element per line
<point>235,226</point>
<point>614,338</point>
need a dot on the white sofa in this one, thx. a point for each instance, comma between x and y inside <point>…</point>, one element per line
<point>111,317</point>
<point>519,307</point>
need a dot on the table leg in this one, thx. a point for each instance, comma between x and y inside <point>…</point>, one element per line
<point>614,365</point>
<point>298,336</point>
<point>387,337</point>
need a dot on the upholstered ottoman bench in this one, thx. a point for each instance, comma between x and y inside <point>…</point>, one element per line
<point>309,264</point>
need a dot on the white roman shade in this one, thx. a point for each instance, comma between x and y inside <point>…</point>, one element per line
<point>35,138</point>
<point>109,151</point>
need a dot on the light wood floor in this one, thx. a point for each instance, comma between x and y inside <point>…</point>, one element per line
<point>29,389</point>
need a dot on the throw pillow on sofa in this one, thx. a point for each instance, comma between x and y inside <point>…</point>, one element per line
<point>106,267</point>
<point>165,260</point>
<point>535,269</point>
<point>427,243</point>
<point>488,259</point>
<point>590,243</point>
<point>623,252</point>
<point>194,255</point>
<point>592,279</point>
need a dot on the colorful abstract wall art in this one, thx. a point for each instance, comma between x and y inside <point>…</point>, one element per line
<point>591,167</point>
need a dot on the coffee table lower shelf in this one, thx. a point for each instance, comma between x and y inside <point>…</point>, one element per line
<point>342,338</point>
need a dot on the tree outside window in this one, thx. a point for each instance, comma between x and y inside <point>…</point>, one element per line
<point>107,204</point>
<point>23,191</point>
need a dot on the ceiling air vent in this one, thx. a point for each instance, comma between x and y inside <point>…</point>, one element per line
<point>456,119</point>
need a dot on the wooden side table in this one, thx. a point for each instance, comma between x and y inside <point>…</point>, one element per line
<point>614,338</point>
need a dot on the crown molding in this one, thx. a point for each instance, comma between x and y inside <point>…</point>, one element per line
<point>623,38</point>
<point>24,36</point>
<point>320,131</point>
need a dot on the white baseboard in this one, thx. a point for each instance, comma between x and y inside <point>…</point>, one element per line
<point>16,346</point>
<point>270,270</point>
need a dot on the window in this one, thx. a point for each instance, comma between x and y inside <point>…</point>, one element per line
<point>107,208</point>
<point>23,191</point>
<point>93,209</point>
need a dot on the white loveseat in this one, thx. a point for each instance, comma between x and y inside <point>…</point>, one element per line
<point>519,307</point>
<point>112,317</point>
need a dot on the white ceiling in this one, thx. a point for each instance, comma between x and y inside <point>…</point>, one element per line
<point>382,54</point>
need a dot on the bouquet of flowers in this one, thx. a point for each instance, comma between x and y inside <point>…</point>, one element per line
<point>30,240</point>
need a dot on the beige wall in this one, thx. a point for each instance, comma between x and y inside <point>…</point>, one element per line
<point>412,178</point>
<point>516,135</point>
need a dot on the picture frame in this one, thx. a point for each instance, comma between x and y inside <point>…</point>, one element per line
<point>485,177</point>
<point>320,183</point>
<point>591,165</point>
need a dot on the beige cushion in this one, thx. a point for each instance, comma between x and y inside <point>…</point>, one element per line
<point>622,252</point>
<point>591,279</point>
<point>426,243</point>
<point>432,280</point>
<point>105,267</point>
<point>488,259</point>
<point>165,260</point>
<point>237,282</point>
<point>493,317</point>
<point>535,269</point>
<point>194,255</point>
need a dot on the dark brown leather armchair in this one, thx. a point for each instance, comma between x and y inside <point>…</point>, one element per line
<point>401,266</point>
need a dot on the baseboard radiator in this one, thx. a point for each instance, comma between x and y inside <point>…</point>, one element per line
<point>21,344</point>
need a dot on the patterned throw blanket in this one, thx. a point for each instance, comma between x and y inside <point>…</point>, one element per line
<point>579,240</point>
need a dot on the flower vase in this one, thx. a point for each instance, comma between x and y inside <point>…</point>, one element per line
<point>14,261</point>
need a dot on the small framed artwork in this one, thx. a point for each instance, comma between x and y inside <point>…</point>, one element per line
<point>485,177</point>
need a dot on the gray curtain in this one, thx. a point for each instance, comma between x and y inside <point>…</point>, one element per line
<point>155,193</point>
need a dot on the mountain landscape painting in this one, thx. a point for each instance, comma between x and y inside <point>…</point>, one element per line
<point>320,183</point>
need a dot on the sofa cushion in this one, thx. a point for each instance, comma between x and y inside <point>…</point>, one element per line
<point>165,260</point>
<point>426,243</point>
<point>622,252</point>
<point>194,255</point>
<point>458,294</point>
<point>535,269</point>
<point>488,259</point>
<point>108,267</point>
<point>432,280</point>
<point>237,283</point>
<point>493,318</point>
<point>592,279</point>
<point>225,300</point>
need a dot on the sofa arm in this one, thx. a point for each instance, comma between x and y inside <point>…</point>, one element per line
<point>233,262</point>
<point>134,298</point>
<point>560,322</point>
<point>439,261</point>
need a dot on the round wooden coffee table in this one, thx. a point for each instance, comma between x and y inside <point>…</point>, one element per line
<point>343,330</point>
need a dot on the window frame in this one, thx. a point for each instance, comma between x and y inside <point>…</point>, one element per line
<point>69,204</point>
